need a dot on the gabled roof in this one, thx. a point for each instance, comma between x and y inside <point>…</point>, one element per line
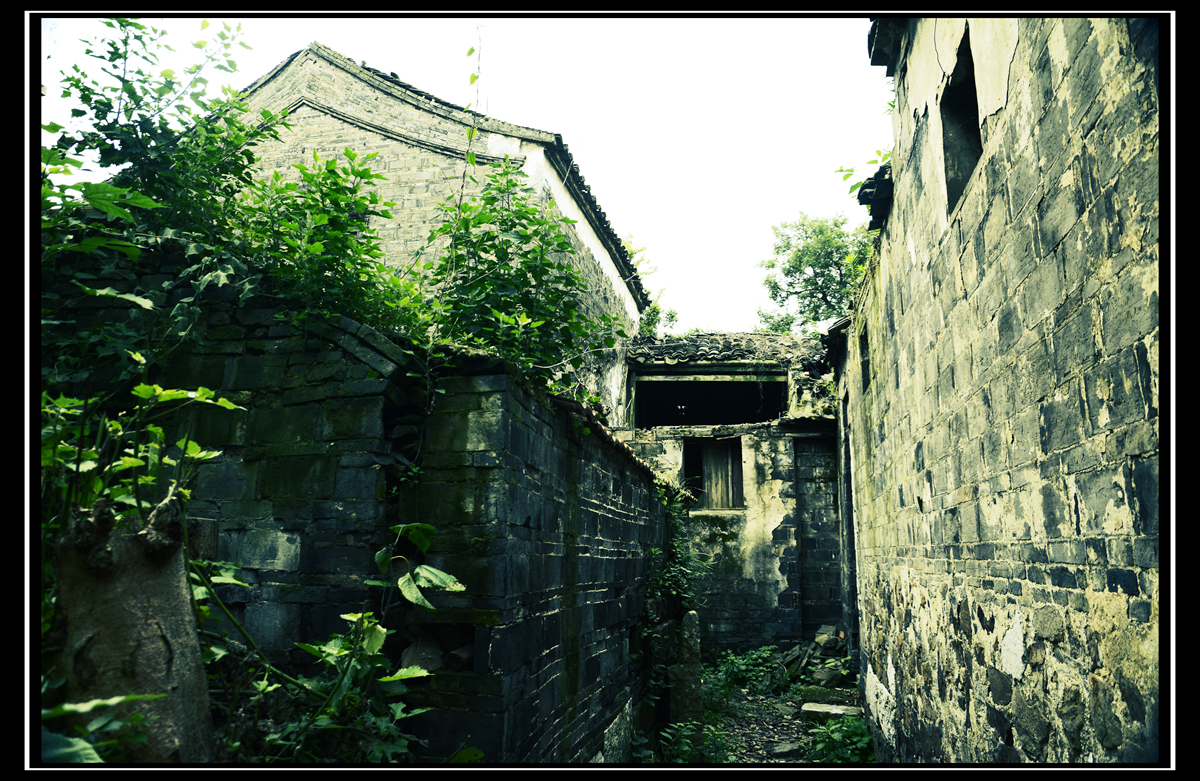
<point>556,151</point>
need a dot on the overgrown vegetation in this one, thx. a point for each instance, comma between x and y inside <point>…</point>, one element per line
<point>753,670</point>
<point>675,569</point>
<point>496,275</point>
<point>844,740</point>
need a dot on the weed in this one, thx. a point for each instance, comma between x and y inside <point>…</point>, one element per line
<point>687,742</point>
<point>845,740</point>
<point>752,670</point>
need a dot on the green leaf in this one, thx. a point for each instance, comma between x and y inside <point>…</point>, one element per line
<point>405,673</point>
<point>228,580</point>
<point>128,462</point>
<point>91,705</point>
<point>435,578</point>
<point>62,749</point>
<point>413,594</point>
<point>374,637</point>
<point>421,534</point>
<point>144,391</point>
<point>383,560</point>
<point>108,292</point>
<point>466,756</point>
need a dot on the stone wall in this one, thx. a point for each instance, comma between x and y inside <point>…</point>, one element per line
<point>300,491</point>
<point>542,516</point>
<point>548,526</point>
<point>1001,386</point>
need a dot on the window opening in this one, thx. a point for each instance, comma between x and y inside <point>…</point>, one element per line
<point>712,468</point>
<point>707,402</point>
<point>962,145</point>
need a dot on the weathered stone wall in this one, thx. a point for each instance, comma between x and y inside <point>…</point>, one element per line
<point>1002,388</point>
<point>774,564</point>
<point>818,533</point>
<point>547,527</point>
<point>299,493</point>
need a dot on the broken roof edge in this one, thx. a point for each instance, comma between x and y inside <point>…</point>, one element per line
<point>557,152</point>
<point>724,348</point>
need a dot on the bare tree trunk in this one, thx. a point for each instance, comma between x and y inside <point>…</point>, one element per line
<point>129,629</point>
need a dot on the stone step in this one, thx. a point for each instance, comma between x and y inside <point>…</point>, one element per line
<point>820,713</point>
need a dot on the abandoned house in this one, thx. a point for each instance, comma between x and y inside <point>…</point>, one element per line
<point>744,421</point>
<point>963,475</point>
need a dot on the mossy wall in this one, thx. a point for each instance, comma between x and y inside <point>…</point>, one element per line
<point>1002,398</point>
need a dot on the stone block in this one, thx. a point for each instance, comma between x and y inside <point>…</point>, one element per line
<point>266,549</point>
<point>362,484</point>
<point>226,480</point>
<point>254,372</point>
<point>299,476</point>
<point>352,418</point>
<point>290,425</point>
<point>274,627</point>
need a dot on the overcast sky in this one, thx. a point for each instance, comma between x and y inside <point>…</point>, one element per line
<point>696,135</point>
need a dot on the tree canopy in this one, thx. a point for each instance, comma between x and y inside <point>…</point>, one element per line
<point>814,271</point>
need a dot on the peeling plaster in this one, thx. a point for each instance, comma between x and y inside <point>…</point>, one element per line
<point>1012,649</point>
<point>993,46</point>
<point>760,560</point>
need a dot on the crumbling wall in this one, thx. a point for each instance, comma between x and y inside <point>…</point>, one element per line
<point>774,563</point>
<point>1002,397</point>
<point>300,492</point>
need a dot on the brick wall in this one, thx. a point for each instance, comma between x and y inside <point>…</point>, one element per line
<point>546,523</point>
<point>299,493</point>
<point>1002,387</point>
<point>548,527</point>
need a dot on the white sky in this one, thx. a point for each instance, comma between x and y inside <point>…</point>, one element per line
<point>696,135</point>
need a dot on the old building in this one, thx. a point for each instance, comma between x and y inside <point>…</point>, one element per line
<point>745,422</point>
<point>420,143</point>
<point>999,396</point>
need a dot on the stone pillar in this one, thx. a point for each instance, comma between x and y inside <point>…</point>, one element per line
<point>687,692</point>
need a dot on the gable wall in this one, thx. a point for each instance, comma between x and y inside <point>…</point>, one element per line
<point>421,147</point>
<point>1004,449</point>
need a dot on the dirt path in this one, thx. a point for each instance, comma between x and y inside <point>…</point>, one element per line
<point>768,730</point>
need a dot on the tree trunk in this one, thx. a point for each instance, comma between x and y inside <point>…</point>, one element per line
<point>129,629</point>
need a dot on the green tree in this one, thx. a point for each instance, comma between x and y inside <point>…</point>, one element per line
<point>812,276</point>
